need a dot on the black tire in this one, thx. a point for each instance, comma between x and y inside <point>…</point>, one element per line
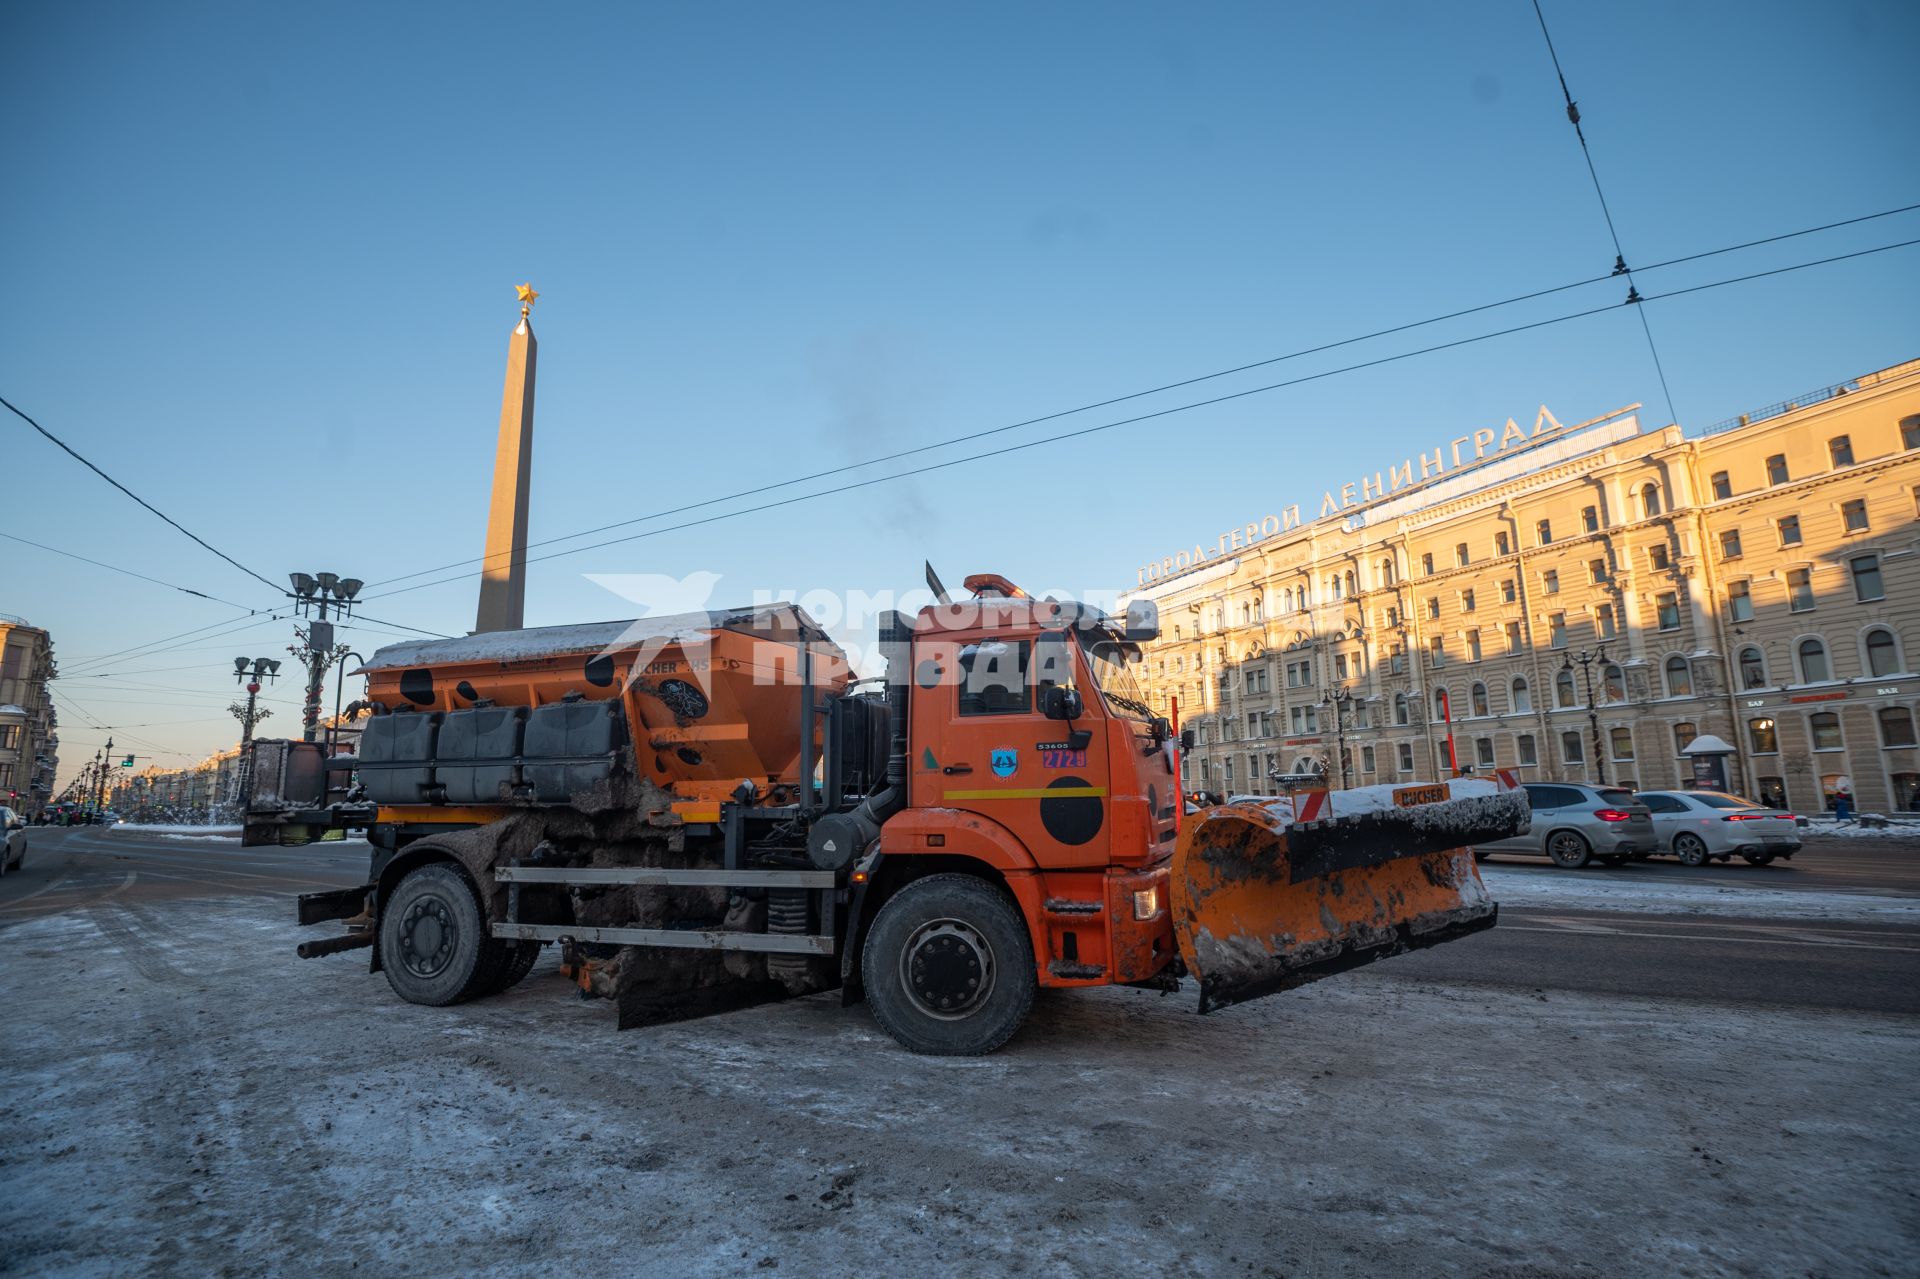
<point>1691,849</point>
<point>1613,859</point>
<point>1758,859</point>
<point>434,945</point>
<point>521,957</point>
<point>1569,849</point>
<point>948,967</point>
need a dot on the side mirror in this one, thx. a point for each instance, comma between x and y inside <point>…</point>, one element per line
<point>1187,739</point>
<point>1159,728</point>
<point>1143,622</point>
<point>1061,702</point>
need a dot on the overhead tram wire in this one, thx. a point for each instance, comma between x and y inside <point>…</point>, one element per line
<point>155,647</point>
<point>1620,266</point>
<point>70,451</point>
<point>115,568</point>
<point>1178,408</point>
<point>1134,395</point>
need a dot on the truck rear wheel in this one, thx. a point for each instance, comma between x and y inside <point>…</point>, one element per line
<point>434,944</point>
<point>948,967</point>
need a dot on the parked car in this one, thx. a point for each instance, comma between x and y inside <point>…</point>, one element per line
<point>13,840</point>
<point>1575,823</point>
<point>1699,825</point>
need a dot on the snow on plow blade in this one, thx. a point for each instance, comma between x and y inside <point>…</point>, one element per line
<point>1267,897</point>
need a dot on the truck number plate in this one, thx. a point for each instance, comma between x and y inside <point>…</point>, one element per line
<point>1408,796</point>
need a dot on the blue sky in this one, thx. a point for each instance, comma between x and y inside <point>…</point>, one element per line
<point>259,258</point>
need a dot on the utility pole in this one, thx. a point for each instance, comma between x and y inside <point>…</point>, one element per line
<point>316,650</point>
<point>1586,661</point>
<point>249,671</point>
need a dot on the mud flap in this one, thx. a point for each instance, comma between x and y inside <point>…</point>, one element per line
<point>1263,902</point>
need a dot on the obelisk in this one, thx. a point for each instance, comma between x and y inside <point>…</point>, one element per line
<point>503,573</point>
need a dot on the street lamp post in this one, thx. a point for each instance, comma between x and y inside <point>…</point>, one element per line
<point>319,591</point>
<point>104,758</point>
<point>250,672</point>
<point>1587,661</point>
<point>1337,701</point>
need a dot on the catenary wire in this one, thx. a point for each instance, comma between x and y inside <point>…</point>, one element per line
<point>115,568</point>
<point>1134,395</point>
<point>1166,412</point>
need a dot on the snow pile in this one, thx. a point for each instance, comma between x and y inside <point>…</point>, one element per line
<point>178,831</point>
<point>1531,889</point>
<point>1826,828</point>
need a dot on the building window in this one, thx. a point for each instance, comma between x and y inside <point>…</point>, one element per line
<point>1730,544</point>
<point>1679,677</point>
<point>1406,757</point>
<point>1622,739</point>
<point>1466,600</point>
<point>1544,531</point>
<point>1253,724</point>
<point>1478,696</point>
<point>1524,751</point>
<point>1896,726</point>
<point>1814,667</point>
<point>1722,486</point>
<point>1339,665</point>
<point>1740,601</point>
<point>1826,731</point>
<point>1366,759</point>
<point>1513,638</point>
<point>1866,578</point>
<point>1597,570</point>
<point>1800,590</point>
<point>1883,652</point>
<point>1840,450</point>
<point>1386,572</point>
<point>1572,749</point>
<point>1426,563</point>
<point>1906,792</point>
<point>1667,608</point>
<point>1613,683</point>
<point>1400,709</point>
<point>1522,699</point>
<point>1753,669</point>
<point>1460,555</point>
<point>1506,591</point>
<point>1604,621</point>
<point>1437,651</point>
<point>1789,526</point>
<point>1910,432</point>
<point>1229,773</point>
<point>1563,693</point>
<point>1433,607</point>
<point>1590,519</point>
<point>1761,735</point>
<point>1550,580</point>
<point>1500,542</point>
<point>1442,705</point>
<point>1777,469</point>
<point>1557,630</point>
<point>1397,661</point>
<point>1473,645</point>
<point>1650,500</point>
<point>1853,515</point>
<point>1683,735</point>
<point>1657,557</point>
<point>1483,752</point>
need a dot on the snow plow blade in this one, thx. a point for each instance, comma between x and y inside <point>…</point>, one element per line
<point>1267,897</point>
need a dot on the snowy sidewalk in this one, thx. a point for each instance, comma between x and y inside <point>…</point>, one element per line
<point>1591,890</point>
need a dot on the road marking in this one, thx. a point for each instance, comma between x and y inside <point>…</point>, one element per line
<point>1741,941</point>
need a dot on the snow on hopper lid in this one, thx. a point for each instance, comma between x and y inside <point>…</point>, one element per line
<point>775,621</point>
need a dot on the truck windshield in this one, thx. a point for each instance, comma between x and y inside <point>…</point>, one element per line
<point>1112,664</point>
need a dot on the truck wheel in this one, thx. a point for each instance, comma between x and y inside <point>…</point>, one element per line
<point>521,957</point>
<point>434,944</point>
<point>948,966</point>
<point>1569,849</point>
<point>1690,849</point>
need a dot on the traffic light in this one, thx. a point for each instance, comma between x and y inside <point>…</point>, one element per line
<point>127,762</point>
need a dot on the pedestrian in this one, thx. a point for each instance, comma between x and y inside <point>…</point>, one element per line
<point>1842,801</point>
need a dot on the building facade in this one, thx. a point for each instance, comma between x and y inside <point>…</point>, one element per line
<point>1578,604</point>
<point>29,744</point>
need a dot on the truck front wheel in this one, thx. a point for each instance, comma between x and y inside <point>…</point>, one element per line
<point>948,966</point>
<point>434,943</point>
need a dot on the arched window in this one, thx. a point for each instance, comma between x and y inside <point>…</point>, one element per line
<point>1883,652</point>
<point>1351,583</point>
<point>1400,708</point>
<point>1442,703</point>
<point>1753,669</point>
<point>1563,689</point>
<point>1479,696</point>
<point>1679,677</point>
<point>1522,699</point>
<point>1814,666</point>
<point>1613,683</point>
<point>1650,499</point>
<point>1386,572</point>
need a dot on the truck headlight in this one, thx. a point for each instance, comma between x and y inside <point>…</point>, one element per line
<point>1146,903</point>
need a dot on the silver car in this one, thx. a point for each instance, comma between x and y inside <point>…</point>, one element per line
<point>1574,823</point>
<point>1700,825</point>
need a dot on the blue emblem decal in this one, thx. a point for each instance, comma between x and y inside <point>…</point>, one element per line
<point>1006,763</point>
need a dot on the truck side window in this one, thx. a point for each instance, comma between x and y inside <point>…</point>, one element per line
<point>993,678</point>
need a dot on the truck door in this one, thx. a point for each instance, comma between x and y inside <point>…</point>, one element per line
<point>988,747</point>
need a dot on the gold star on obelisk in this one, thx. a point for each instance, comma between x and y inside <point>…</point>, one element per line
<point>527,297</point>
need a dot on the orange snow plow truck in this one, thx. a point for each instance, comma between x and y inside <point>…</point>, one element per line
<point>708,811</point>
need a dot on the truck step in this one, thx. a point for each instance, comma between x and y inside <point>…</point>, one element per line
<point>664,875</point>
<point>676,938</point>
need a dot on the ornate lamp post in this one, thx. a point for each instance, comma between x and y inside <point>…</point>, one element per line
<point>319,591</point>
<point>1587,661</point>
<point>249,671</point>
<point>1337,701</point>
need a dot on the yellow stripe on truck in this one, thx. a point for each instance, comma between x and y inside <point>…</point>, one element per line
<point>1044,792</point>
